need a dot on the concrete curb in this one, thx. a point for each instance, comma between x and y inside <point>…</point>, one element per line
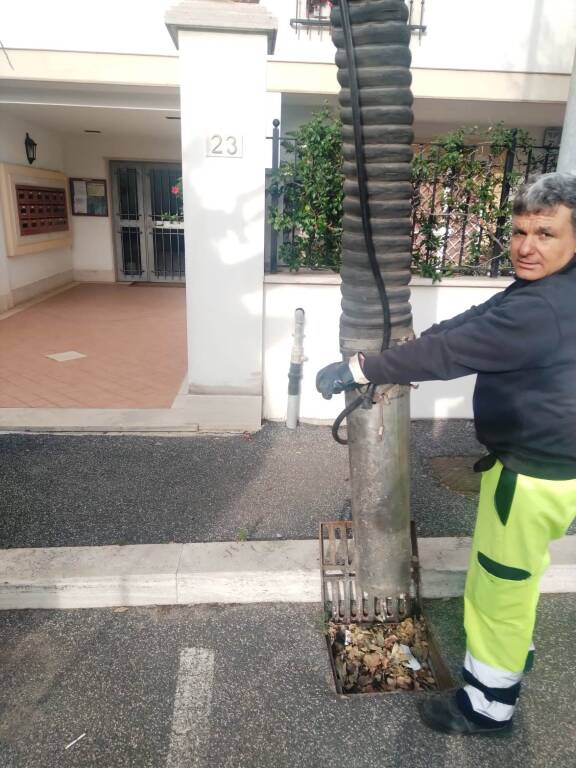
<point>96,420</point>
<point>217,572</point>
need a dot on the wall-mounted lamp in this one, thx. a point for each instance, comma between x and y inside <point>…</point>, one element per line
<point>30,145</point>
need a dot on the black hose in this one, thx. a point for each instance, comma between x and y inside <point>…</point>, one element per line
<point>366,398</point>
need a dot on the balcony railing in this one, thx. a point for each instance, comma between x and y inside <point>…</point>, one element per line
<point>313,17</point>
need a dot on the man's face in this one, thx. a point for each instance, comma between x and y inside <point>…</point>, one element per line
<point>542,243</point>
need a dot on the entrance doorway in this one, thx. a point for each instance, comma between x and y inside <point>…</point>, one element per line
<point>148,222</point>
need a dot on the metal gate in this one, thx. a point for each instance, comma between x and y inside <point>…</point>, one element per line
<point>148,222</point>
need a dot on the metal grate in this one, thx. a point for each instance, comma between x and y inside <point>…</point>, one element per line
<point>167,216</point>
<point>312,17</point>
<point>416,18</point>
<point>164,204</point>
<point>342,596</point>
<point>128,194</point>
<point>168,253</point>
<point>131,254</point>
<point>457,225</point>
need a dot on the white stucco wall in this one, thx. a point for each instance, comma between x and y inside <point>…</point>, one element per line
<point>319,296</point>
<point>22,277</point>
<point>89,156</point>
<point>514,36</point>
<point>122,26</point>
<point>511,36</point>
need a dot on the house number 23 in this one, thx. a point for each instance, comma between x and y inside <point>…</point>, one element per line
<point>224,145</point>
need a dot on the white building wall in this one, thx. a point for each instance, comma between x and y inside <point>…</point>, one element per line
<point>22,277</point>
<point>89,157</point>
<point>116,26</point>
<point>515,35</point>
<point>510,36</point>
<point>319,296</point>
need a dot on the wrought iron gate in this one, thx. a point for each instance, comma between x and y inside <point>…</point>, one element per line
<point>148,222</point>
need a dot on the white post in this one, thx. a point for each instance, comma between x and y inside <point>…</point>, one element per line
<point>295,375</point>
<point>567,156</point>
<point>223,49</point>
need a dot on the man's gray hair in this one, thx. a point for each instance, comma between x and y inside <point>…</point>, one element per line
<point>542,193</point>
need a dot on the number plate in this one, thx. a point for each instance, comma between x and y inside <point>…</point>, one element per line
<point>224,145</point>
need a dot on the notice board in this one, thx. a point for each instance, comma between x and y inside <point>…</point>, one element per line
<point>88,197</point>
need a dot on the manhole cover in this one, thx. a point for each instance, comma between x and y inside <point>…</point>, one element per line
<point>456,473</point>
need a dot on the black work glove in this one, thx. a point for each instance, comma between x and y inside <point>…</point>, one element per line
<point>333,379</point>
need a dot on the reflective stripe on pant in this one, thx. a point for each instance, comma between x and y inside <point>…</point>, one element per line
<point>518,516</point>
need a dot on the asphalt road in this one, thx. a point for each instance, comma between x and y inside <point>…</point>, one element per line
<point>246,687</point>
<point>97,490</point>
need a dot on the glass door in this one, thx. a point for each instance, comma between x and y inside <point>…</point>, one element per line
<point>148,222</point>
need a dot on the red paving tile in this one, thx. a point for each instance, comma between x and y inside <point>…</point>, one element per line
<point>133,336</point>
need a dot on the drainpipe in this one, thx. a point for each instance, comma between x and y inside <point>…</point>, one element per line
<point>295,375</point>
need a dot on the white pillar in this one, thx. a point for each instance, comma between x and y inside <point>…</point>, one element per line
<point>567,156</point>
<point>223,50</point>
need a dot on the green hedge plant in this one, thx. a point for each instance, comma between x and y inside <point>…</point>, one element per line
<point>457,178</point>
<point>309,187</point>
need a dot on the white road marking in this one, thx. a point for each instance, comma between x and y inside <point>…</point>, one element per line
<point>75,741</point>
<point>192,704</point>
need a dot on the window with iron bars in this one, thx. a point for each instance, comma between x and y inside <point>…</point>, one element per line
<point>312,17</point>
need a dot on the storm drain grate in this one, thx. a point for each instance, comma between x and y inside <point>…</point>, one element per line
<point>341,594</point>
<point>375,645</point>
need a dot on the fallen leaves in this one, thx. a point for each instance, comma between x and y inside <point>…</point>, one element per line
<point>381,657</point>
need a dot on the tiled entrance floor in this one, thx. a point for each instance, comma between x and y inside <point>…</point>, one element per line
<point>132,339</point>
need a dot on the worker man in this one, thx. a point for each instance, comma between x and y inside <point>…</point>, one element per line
<point>521,343</point>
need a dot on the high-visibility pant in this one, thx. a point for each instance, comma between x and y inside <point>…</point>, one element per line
<point>518,516</point>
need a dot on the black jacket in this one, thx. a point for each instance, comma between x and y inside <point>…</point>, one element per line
<point>522,345</point>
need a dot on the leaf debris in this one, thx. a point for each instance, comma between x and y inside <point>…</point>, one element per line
<point>381,657</point>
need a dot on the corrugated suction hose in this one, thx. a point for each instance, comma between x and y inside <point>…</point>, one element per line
<point>377,138</point>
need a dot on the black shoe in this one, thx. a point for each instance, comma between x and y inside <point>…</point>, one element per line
<point>443,714</point>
